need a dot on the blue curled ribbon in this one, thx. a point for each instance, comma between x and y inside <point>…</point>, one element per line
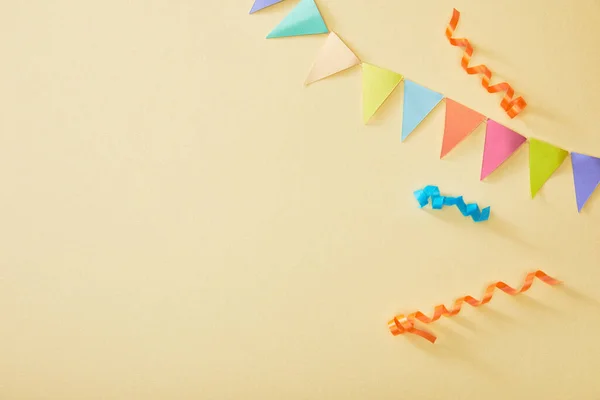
<point>438,201</point>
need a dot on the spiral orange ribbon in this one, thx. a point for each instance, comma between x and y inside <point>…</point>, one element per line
<point>512,106</point>
<point>406,324</point>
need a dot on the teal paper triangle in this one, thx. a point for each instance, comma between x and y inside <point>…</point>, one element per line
<point>418,102</point>
<point>304,19</point>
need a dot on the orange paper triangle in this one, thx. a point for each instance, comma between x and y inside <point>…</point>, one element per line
<point>460,122</point>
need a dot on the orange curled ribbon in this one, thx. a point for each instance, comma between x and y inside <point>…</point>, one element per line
<point>512,106</point>
<point>406,324</point>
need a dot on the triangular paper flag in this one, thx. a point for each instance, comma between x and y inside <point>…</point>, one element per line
<point>586,172</point>
<point>460,122</point>
<point>378,84</point>
<point>260,4</point>
<point>333,57</point>
<point>418,102</point>
<point>544,159</point>
<point>304,19</point>
<point>500,143</point>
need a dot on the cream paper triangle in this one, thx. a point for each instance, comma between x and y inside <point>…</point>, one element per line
<point>333,57</point>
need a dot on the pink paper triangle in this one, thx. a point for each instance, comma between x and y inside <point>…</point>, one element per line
<point>500,144</point>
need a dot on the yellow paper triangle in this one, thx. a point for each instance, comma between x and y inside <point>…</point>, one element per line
<point>378,84</point>
<point>544,160</point>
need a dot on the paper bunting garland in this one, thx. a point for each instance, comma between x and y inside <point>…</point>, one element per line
<point>460,122</point>
<point>432,193</point>
<point>304,19</point>
<point>586,173</point>
<point>401,324</point>
<point>333,57</point>
<point>418,103</point>
<point>378,84</point>
<point>260,4</point>
<point>544,159</point>
<point>500,144</point>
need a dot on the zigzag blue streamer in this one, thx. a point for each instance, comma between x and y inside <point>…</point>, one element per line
<point>438,201</point>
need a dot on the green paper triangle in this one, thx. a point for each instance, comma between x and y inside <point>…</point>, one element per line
<point>304,19</point>
<point>544,159</point>
<point>378,84</point>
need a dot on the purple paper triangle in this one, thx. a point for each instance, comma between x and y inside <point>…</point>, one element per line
<point>586,173</point>
<point>260,4</point>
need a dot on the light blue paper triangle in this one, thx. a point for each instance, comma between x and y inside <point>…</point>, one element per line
<point>304,19</point>
<point>418,102</point>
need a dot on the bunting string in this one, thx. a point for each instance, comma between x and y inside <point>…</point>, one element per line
<point>401,324</point>
<point>512,106</point>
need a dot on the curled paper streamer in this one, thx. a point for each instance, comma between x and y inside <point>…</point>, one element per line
<point>406,324</point>
<point>438,201</point>
<point>512,106</point>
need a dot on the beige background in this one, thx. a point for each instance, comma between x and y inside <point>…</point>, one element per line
<point>182,219</point>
